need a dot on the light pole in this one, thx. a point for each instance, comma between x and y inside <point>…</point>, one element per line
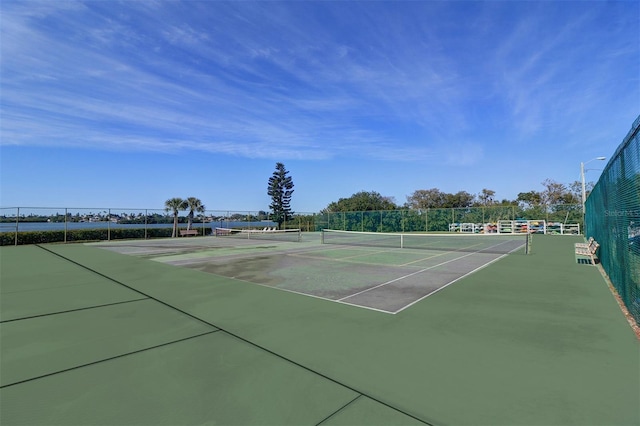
<point>584,190</point>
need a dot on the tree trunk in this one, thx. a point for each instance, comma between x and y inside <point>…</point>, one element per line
<point>175,226</point>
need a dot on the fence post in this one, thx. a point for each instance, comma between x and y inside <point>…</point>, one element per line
<point>17,226</point>
<point>426,220</point>
<point>146,217</point>
<point>65,224</point>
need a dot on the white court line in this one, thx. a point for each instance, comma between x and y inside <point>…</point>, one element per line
<point>449,283</point>
<point>366,253</point>
<point>425,269</point>
<point>342,300</point>
<point>304,294</point>
<point>352,262</point>
<point>423,259</point>
<point>342,260</point>
<point>457,279</point>
<point>445,252</point>
<point>245,252</point>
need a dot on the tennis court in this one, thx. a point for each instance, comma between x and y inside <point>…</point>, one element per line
<point>383,272</point>
<point>93,336</point>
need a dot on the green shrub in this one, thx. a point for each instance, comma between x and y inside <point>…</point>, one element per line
<point>79,235</point>
<point>7,238</point>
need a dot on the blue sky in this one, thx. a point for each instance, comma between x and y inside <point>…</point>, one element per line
<point>127,104</point>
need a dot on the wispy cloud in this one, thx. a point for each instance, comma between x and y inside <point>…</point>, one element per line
<point>555,67</point>
<point>297,80</point>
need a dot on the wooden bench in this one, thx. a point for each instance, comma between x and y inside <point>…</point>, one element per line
<point>187,232</point>
<point>590,241</point>
<point>587,250</point>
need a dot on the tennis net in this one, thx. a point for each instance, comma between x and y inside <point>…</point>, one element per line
<point>481,243</point>
<point>257,234</point>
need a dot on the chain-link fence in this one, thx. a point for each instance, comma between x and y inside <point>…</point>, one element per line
<point>613,219</point>
<point>29,225</point>
<point>441,220</point>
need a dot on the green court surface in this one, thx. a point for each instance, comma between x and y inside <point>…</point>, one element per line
<point>33,285</point>
<point>92,336</point>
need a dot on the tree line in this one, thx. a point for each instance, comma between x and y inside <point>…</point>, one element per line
<point>553,193</point>
<point>280,189</point>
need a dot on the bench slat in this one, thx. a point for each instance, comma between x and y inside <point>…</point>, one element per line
<point>587,249</point>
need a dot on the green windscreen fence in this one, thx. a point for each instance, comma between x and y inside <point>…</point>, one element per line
<point>613,219</point>
<point>440,219</point>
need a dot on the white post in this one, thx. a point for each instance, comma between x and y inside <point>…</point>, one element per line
<point>584,190</point>
<point>17,226</point>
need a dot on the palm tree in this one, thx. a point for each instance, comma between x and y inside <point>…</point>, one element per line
<point>175,205</point>
<point>194,205</point>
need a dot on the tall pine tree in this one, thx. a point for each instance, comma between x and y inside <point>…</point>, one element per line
<point>280,190</point>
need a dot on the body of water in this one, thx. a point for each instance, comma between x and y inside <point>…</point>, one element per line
<point>60,226</point>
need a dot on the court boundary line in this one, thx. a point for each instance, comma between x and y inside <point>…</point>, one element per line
<point>185,264</point>
<point>242,339</point>
<point>339,409</point>
<point>299,293</point>
<point>449,283</point>
<point>73,310</point>
<point>76,367</point>
<point>428,268</point>
<point>301,253</point>
<point>391,250</point>
<point>351,262</point>
<point>455,280</point>
<point>232,257</point>
<point>372,251</point>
